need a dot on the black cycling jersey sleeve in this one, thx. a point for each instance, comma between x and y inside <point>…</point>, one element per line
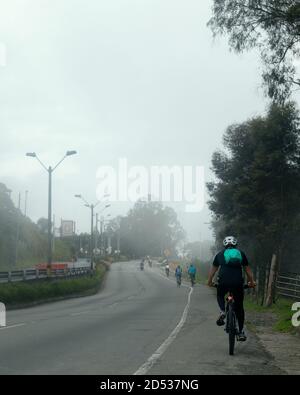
<point>219,259</point>
<point>245,261</point>
<point>216,261</point>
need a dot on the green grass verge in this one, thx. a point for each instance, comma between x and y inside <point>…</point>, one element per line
<point>25,264</point>
<point>28,293</point>
<point>201,279</point>
<point>282,310</point>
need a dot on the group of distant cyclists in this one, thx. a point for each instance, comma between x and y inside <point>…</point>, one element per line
<point>191,270</point>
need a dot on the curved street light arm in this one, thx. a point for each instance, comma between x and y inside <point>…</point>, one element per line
<point>59,162</point>
<point>101,200</point>
<point>85,201</point>
<point>42,164</point>
<point>68,153</point>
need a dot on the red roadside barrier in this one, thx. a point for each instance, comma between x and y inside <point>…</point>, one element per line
<point>54,266</point>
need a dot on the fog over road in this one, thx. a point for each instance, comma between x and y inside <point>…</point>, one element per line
<point>118,330</point>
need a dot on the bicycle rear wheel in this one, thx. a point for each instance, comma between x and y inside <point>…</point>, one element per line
<point>231,329</point>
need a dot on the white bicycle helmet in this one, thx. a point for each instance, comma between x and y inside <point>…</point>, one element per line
<point>230,241</point>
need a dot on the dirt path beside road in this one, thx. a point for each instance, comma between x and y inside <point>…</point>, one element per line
<point>283,347</point>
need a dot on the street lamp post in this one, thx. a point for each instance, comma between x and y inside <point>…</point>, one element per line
<point>26,200</point>
<point>92,208</point>
<point>50,217</point>
<point>99,232</point>
<point>50,171</point>
<point>18,230</point>
<point>102,222</point>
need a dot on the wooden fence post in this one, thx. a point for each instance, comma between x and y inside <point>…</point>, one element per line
<point>265,294</point>
<point>270,290</point>
<point>255,295</point>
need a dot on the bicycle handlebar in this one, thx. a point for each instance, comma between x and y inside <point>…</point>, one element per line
<point>246,286</point>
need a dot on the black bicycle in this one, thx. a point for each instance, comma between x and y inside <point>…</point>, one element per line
<point>193,279</point>
<point>231,327</point>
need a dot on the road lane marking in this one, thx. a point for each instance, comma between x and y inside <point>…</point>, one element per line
<point>11,326</point>
<point>80,313</point>
<point>113,304</point>
<point>144,369</point>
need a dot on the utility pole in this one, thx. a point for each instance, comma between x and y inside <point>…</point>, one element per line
<point>102,240</point>
<point>201,246</point>
<point>96,239</point>
<point>92,208</point>
<point>53,232</point>
<point>102,233</point>
<point>119,241</point>
<point>92,237</point>
<point>18,231</point>
<point>49,217</point>
<point>26,199</point>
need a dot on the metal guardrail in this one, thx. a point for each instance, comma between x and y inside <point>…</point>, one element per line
<point>35,274</point>
<point>288,285</point>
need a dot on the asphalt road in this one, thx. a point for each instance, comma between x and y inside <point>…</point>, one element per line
<point>140,323</point>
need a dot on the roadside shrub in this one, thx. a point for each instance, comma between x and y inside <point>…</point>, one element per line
<point>23,293</point>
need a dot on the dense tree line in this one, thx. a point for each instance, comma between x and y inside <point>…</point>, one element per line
<point>148,229</point>
<point>256,191</point>
<point>272,27</point>
<point>20,239</point>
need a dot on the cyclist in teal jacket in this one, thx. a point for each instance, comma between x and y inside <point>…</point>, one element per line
<point>192,273</point>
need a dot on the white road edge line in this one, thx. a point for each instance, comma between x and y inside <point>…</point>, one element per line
<point>11,326</point>
<point>144,369</point>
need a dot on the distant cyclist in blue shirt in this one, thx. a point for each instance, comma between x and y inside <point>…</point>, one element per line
<point>192,273</point>
<point>178,273</point>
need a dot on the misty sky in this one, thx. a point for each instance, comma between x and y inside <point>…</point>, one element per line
<point>137,79</point>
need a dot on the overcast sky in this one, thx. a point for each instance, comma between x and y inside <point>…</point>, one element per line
<point>136,79</point>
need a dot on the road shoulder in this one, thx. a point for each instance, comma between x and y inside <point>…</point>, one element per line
<point>201,348</point>
<point>284,348</point>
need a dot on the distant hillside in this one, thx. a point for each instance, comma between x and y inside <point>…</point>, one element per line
<point>32,242</point>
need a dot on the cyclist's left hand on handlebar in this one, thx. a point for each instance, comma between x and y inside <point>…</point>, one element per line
<point>251,284</point>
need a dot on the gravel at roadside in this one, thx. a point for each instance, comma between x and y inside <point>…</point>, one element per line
<point>283,347</point>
